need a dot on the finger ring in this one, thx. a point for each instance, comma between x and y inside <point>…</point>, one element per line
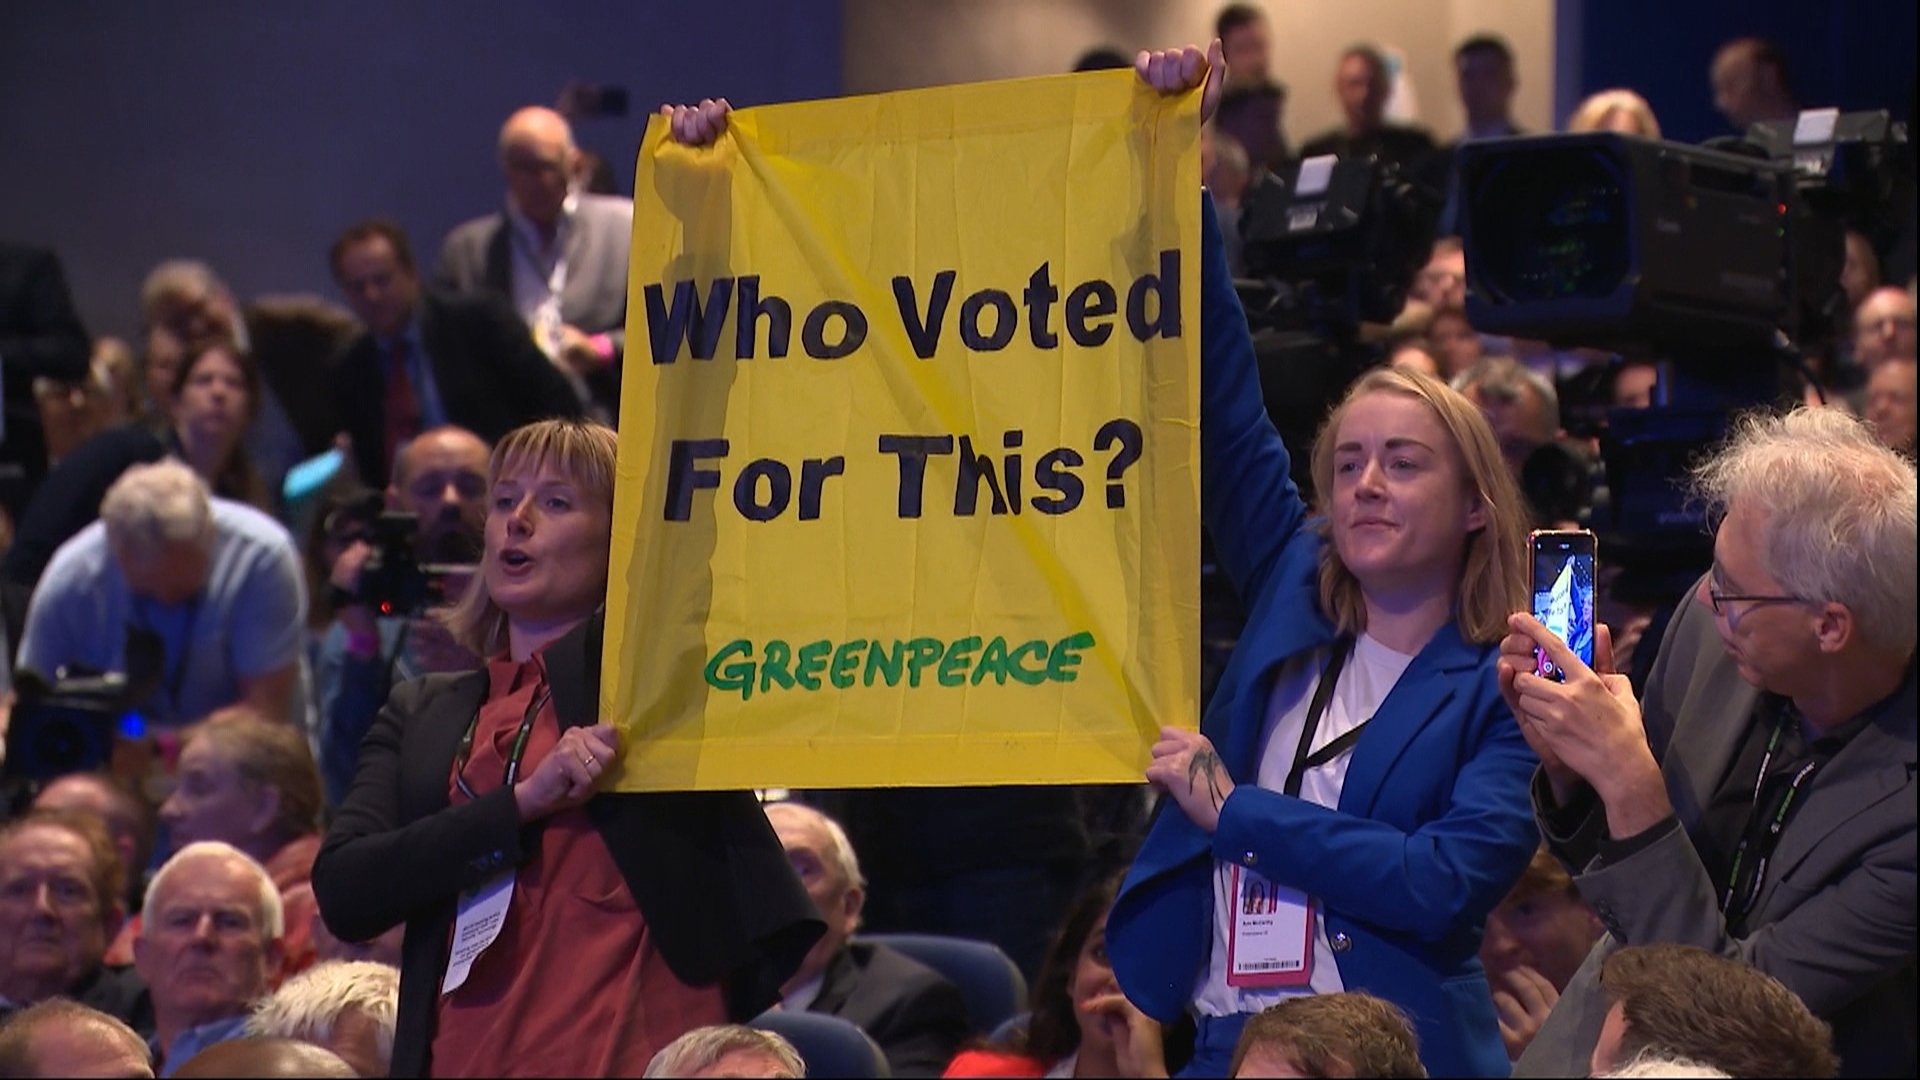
<point>587,760</point>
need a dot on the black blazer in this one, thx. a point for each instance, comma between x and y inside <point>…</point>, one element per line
<point>708,873</point>
<point>40,334</point>
<point>918,1017</point>
<point>490,375</point>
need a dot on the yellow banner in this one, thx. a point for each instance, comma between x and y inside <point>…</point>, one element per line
<point>909,465</point>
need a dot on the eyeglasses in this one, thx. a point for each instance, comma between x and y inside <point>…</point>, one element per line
<point>1722,601</point>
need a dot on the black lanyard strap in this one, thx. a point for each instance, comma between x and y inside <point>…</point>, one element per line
<point>513,758</point>
<point>1322,697</point>
<point>1761,836</point>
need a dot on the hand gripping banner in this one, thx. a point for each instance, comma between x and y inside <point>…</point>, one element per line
<point>908,489</point>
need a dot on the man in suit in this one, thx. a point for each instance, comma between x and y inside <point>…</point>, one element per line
<point>40,336</point>
<point>917,1017</point>
<point>1360,84</point>
<point>1759,803</point>
<point>429,359</point>
<point>1483,66</point>
<point>558,253</point>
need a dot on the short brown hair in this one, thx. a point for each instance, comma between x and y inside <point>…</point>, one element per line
<point>583,450</point>
<point>1683,1001</point>
<point>1544,876</point>
<point>106,875</point>
<point>1493,576</point>
<point>372,229</point>
<point>270,753</point>
<point>237,478</point>
<point>1347,1034</point>
<point>17,1032</point>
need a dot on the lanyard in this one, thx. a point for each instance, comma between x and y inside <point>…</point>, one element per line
<point>1322,696</point>
<point>513,758</point>
<point>1746,886</point>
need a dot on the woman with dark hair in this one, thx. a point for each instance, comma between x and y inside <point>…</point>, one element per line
<point>1078,1022</point>
<point>215,395</point>
<point>611,923</point>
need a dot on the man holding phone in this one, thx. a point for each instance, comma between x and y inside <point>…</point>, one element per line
<point>1760,802</point>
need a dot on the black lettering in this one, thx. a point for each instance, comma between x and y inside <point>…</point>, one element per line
<point>751,309</point>
<point>746,489</point>
<point>1010,467</point>
<point>813,336</point>
<point>1053,473</point>
<point>975,469</point>
<point>1003,320</point>
<point>1090,300</point>
<point>698,326</point>
<point>912,451</point>
<point>813,474</point>
<point>1040,297</point>
<point>924,333</point>
<point>1165,287</point>
<point>685,476</point>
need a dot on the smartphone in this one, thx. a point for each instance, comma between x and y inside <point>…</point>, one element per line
<point>1563,569</point>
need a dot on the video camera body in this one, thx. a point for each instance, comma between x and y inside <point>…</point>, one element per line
<point>395,580</point>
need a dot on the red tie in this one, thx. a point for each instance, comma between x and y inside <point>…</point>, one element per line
<point>403,408</point>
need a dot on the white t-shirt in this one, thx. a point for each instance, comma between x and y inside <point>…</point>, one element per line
<point>1365,680</point>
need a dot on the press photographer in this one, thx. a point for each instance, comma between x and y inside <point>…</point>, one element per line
<point>394,558</point>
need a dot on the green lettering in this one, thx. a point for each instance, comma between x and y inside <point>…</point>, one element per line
<point>813,661</point>
<point>1066,656</point>
<point>735,676</point>
<point>994,660</point>
<point>773,666</point>
<point>885,662</point>
<point>846,661</point>
<point>953,666</point>
<point>1023,673</point>
<point>921,651</point>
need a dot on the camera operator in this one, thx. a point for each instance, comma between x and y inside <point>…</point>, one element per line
<point>441,478</point>
<point>1760,802</point>
<point>206,592</point>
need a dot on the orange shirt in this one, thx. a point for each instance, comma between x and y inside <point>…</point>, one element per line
<point>573,986</point>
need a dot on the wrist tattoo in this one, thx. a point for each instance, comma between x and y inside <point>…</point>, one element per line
<point>1207,762</point>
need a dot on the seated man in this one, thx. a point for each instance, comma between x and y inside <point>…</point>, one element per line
<point>171,586</point>
<point>347,1008</point>
<point>265,1058</point>
<point>130,820</point>
<point>429,358</point>
<point>60,883</point>
<point>441,478</point>
<point>1684,1002</point>
<point>916,1016</point>
<point>209,947</point>
<point>59,1037</point>
<point>1535,942</point>
<point>1759,802</point>
<point>1348,1034</point>
<point>727,1050</point>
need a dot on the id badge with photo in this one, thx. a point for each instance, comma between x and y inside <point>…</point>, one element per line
<point>1270,935</point>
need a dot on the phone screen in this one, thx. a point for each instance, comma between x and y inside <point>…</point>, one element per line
<point>1563,593</point>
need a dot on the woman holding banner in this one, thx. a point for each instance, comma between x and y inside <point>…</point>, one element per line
<point>552,928</point>
<point>1356,767</point>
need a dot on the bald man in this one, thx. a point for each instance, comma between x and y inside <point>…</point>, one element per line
<point>1750,83</point>
<point>264,1056</point>
<point>558,253</point>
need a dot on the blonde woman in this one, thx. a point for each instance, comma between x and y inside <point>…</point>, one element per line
<point>1615,110</point>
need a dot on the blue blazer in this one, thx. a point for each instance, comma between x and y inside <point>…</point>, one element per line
<point>1434,824</point>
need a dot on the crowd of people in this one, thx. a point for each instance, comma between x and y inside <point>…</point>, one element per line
<point>303,610</point>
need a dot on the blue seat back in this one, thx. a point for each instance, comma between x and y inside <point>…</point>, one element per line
<point>988,979</point>
<point>829,1045</point>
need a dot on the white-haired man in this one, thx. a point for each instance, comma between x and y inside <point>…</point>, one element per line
<point>727,1050</point>
<point>558,253</point>
<point>348,1007</point>
<point>214,587</point>
<point>917,1017</point>
<point>1760,802</point>
<point>209,947</point>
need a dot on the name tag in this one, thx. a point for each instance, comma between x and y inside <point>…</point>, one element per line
<point>1270,937</point>
<point>483,911</point>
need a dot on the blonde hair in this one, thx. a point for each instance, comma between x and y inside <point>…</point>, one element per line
<point>1836,513</point>
<point>269,753</point>
<point>154,506</point>
<point>309,1005</point>
<point>1593,112</point>
<point>586,453</point>
<point>1493,573</point>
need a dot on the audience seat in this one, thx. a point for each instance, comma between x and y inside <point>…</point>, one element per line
<point>988,979</point>
<point>829,1045</point>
